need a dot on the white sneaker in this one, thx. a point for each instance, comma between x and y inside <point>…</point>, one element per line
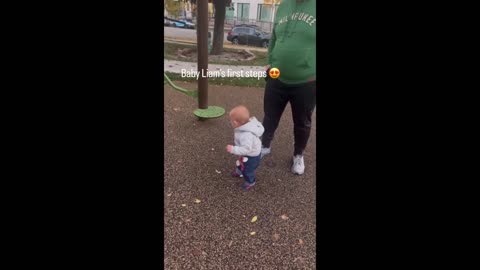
<point>265,151</point>
<point>298,166</point>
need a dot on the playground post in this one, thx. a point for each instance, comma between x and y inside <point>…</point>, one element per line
<point>202,43</point>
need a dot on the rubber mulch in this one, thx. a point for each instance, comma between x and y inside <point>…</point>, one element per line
<point>215,233</point>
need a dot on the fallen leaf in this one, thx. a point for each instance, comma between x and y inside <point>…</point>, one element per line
<point>184,205</point>
<point>169,194</point>
<point>217,171</point>
<point>275,236</point>
<point>300,241</point>
<point>299,259</point>
<point>243,215</point>
<point>197,252</point>
<point>253,233</point>
<point>254,219</point>
<point>284,217</point>
<point>197,201</point>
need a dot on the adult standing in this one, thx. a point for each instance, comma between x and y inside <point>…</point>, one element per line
<point>292,50</point>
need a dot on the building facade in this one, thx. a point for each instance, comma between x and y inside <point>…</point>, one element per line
<point>253,10</point>
<point>257,12</point>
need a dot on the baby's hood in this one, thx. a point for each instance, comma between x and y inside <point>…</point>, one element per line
<point>252,126</point>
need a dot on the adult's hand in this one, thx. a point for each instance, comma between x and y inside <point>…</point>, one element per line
<point>267,68</point>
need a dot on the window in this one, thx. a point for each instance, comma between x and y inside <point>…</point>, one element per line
<point>240,30</point>
<point>264,13</point>
<point>243,11</point>
<point>229,12</point>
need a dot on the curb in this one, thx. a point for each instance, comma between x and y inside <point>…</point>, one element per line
<point>191,41</point>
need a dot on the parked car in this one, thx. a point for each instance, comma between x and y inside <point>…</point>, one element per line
<point>183,24</point>
<point>179,22</point>
<point>248,35</point>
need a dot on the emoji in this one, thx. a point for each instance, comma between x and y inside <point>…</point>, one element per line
<point>274,73</point>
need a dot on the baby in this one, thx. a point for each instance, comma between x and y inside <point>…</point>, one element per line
<point>247,144</point>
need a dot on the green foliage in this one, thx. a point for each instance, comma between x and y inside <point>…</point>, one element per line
<point>173,6</point>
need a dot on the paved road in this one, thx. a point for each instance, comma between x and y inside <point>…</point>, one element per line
<point>190,36</point>
<point>215,233</point>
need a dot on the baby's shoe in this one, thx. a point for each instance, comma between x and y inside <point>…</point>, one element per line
<point>247,186</point>
<point>235,174</point>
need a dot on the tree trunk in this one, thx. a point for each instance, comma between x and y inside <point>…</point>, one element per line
<point>218,27</point>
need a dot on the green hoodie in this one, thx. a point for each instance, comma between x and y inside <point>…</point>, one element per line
<point>292,45</point>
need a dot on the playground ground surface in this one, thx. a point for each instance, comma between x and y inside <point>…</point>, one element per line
<point>214,232</point>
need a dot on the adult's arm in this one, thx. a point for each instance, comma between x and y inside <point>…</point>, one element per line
<point>271,45</point>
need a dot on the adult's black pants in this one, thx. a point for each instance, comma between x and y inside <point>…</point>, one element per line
<point>302,98</point>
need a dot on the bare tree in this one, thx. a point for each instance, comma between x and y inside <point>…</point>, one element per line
<point>218,26</point>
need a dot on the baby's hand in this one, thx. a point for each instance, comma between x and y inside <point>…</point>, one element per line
<point>229,148</point>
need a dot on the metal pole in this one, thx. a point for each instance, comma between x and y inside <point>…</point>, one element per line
<point>202,47</point>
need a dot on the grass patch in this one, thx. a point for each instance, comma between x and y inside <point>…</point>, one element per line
<point>261,58</point>
<point>230,81</point>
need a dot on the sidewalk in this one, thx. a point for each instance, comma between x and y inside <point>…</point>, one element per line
<point>177,66</point>
<point>225,44</point>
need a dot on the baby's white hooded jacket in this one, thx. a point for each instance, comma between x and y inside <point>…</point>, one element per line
<point>247,138</point>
